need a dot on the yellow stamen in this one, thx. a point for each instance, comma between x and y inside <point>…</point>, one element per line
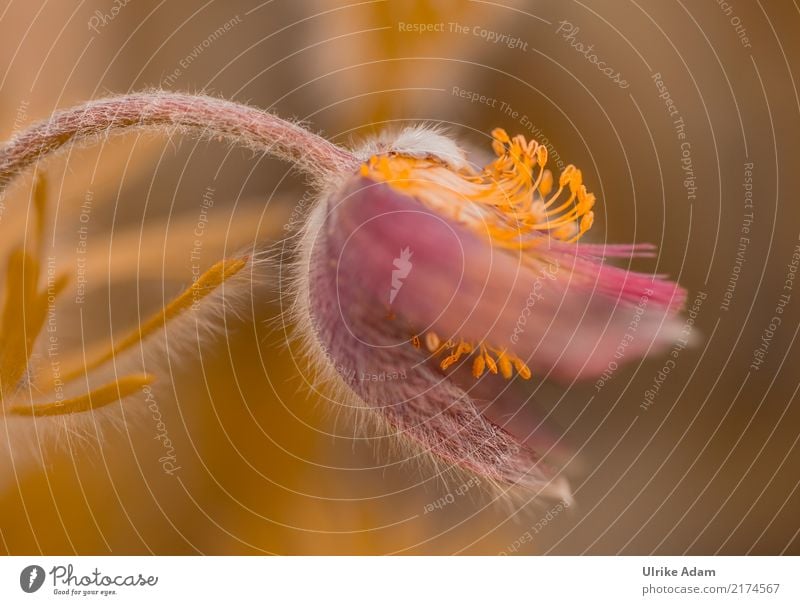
<point>25,307</point>
<point>512,201</point>
<point>23,317</point>
<point>586,224</point>
<point>102,396</point>
<point>478,366</point>
<point>463,348</point>
<point>483,359</point>
<point>432,342</point>
<point>504,201</point>
<point>504,364</point>
<point>522,369</point>
<point>546,185</point>
<point>448,361</point>
<point>490,363</point>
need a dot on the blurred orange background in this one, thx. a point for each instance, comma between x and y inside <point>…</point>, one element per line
<point>710,467</point>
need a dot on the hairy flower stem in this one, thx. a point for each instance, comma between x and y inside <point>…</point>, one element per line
<point>205,116</point>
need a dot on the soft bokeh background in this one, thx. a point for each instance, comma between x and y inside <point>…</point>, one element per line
<point>710,467</point>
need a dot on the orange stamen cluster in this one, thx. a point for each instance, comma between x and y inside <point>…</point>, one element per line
<point>484,357</point>
<point>514,200</point>
<point>511,199</point>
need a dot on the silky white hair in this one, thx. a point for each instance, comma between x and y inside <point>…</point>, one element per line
<point>418,141</point>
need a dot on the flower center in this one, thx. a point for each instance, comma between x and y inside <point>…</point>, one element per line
<point>511,200</point>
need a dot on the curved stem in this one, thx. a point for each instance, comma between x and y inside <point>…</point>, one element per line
<point>203,115</point>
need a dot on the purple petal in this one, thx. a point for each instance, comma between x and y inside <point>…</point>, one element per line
<point>350,285</point>
<point>565,312</point>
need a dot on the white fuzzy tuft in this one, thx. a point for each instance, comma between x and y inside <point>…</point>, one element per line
<point>419,141</point>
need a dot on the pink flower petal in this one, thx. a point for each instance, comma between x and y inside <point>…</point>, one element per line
<point>350,283</point>
<point>565,312</point>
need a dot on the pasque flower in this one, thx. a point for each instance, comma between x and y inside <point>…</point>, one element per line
<point>420,283</point>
